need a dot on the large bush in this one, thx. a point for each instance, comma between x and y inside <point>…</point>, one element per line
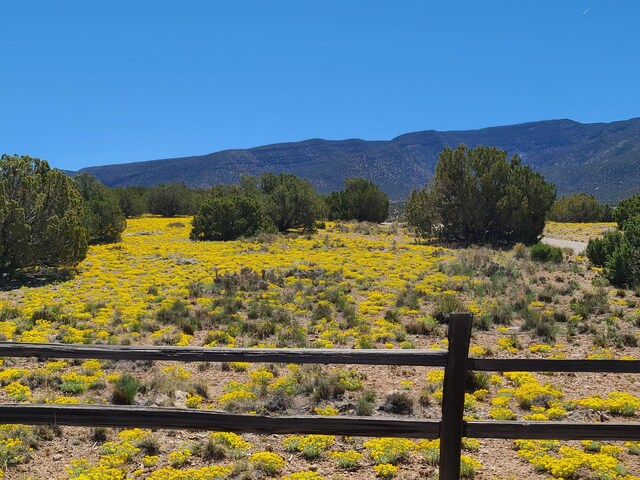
<point>360,200</point>
<point>626,210</point>
<point>421,213</point>
<point>619,254</point>
<point>292,202</point>
<point>481,196</point>
<point>103,217</point>
<point>171,200</point>
<point>41,216</point>
<point>229,217</point>
<point>600,249</point>
<point>133,200</point>
<point>580,207</point>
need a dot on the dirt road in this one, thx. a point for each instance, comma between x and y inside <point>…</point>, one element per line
<point>577,247</point>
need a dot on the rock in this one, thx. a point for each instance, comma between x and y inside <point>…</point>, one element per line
<point>162,400</point>
<point>181,397</point>
<point>276,403</point>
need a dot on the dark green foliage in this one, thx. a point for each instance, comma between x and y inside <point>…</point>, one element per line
<point>580,207</point>
<point>541,252</point>
<point>480,196</point>
<point>230,217</point>
<point>133,200</point>
<point>622,267</point>
<point>619,254</point>
<point>600,249</point>
<point>41,216</point>
<point>421,212</point>
<point>361,200</point>
<point>125,389</point>
<point>626,210</point>
<point>291,201</point>
<point>171,199</point>
<point>103,217</point>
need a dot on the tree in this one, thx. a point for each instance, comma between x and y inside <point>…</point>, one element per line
<point>579,207</point>
<point>360,200</point>
<point>619,254</point>
<point>231,216</point>
<point>41,216</point>
<point>626,210</point>
<point>480,196</point>
<point>170,200</point>
<point>291,201</point>
<point>133,200</point>
<point>103,217</point>
<point>420,212</point>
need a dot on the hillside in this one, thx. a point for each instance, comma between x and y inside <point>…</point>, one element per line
<point>599,158</point>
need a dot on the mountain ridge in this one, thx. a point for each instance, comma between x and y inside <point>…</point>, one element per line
<point>599,158</point>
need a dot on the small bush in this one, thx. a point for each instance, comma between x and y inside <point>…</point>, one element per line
<point>421,326</point>
<point>446,304</point>
<point>99,434</point>
<point>520,251</point>
<point>149,445</point>
<point>125,390</point>
<point>365,404</point>
<point>398,403</point>
<point>541,252</point>
<point>214,451</point>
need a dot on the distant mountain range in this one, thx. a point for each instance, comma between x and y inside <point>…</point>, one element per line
<point>598,158</point>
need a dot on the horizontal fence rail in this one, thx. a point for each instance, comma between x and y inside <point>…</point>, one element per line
<point>450,429</point>
<point>552,365</point>
<point>552,430</point>
<point>422,358</point>
<point>180,418</point>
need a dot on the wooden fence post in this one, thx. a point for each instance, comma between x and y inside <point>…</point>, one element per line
<point>451,426</point>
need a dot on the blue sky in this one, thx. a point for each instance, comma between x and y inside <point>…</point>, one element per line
<point>97,82</point>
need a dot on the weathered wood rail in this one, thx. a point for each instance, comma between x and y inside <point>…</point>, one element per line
<point>451,428</point>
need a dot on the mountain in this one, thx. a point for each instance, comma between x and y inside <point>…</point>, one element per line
<point>598,158</point>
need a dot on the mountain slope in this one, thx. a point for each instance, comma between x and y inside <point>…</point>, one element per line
<point>598,158</point>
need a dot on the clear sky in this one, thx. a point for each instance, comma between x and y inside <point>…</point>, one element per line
<point>92,82</point>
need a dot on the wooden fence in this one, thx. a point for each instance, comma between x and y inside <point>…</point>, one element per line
<point>450,428</point>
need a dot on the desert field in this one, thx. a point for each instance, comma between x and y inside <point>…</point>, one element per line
<point>349,285</point>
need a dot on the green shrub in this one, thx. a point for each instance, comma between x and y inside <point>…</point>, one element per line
<point>365,404</point>
<point>619,254</point>
<point>125,390</point>
<point>480,195</point>
<point>446,304</point>
<point>600,249</point>
<point>230,217</point>
<point>360,200</point>
<point>41,216</point>
<point>626,210</point>
<point>542,252</point>
<point>103,216</point>
<point>580,207</point>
